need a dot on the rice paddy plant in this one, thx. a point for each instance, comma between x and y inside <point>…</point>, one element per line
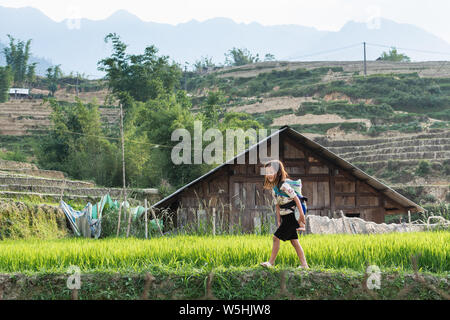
<point>193,252</point>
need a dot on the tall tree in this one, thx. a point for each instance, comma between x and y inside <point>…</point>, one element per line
<point>75,144</point>
<point>158,118</point>
<point>31,74</point>
<point>140,77</point>
<point>393,55</point>
<point>17,56</point>
<point>239,57</point>
<point>5,83</point>
<point>204,64</point>
<point>213,108</point>
<point>269,57</point>
<point>53,74</point>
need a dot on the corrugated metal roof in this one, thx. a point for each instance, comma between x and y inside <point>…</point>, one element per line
<point>19,91</point>
<point>325,153</point>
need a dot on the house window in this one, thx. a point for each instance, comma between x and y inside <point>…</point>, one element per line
<point>353,215</point>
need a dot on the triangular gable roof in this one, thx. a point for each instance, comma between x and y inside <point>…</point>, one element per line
<point>326,154</point>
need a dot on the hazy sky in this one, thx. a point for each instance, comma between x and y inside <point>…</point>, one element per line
<point>331,15</point>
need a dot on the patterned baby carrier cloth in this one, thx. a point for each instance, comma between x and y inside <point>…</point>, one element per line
<point>297,186</point>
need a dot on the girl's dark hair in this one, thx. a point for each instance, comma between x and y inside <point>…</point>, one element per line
<point>281,175</point>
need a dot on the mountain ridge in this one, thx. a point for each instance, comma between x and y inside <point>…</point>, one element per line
<point>79,49</point>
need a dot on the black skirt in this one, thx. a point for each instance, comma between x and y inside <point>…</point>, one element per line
<point>288,227</point>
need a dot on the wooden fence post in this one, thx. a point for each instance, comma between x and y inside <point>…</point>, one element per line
<point>154,217</point>
<point>214,221</point>
<point>74,295</point>
<point>118,223</point>
<point>146,219</point>
<point>62,190</point>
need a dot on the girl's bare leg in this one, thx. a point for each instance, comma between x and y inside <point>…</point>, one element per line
<point>275,249</point>
<point>300,253</point>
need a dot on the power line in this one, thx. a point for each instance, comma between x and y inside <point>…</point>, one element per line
<point>375,45</point>
<point>326,51</point>
<point>365,60</point>
<point>442,65</point>
<point>154,145</point>
<point>367,43</point>
<point>418,50</point>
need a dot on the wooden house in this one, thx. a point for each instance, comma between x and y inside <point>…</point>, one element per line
<point>330,183</point>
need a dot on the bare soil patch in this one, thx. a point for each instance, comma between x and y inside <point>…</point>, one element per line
<point>276,103</point>
<point>291,119</point>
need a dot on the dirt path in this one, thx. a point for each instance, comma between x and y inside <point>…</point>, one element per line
<point>277,103</point>
<point>291,119</point>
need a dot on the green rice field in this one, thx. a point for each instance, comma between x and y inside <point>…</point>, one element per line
<point>388,251</point>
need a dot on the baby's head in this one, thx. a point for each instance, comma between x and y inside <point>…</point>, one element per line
<point>274,172</point>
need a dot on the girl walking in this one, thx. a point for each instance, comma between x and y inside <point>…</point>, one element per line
<point>275,179</point>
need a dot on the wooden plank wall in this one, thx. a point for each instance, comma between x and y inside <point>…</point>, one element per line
<point>328,188</point>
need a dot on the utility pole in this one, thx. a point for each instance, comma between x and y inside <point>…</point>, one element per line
<point>365,65</point>
<point>185,76</point>
<point>123,170</point>
<point>76,87</point>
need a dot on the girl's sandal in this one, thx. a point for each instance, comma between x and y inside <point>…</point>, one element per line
<point>266,264</point>
<point>302,267</point>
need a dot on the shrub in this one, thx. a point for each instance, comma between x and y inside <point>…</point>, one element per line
<point>394,165</point>
<point>440,125</point>
<point>353,126</point>
<point>411,127</point>
<point>446,167</point>
<point>423,168</point>
<point>429,198</point>
<point>376,130</point>
<point>16,155</point>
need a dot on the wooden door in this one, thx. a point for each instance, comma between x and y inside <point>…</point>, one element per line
<point>252,204</point>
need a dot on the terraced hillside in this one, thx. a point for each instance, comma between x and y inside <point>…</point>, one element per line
<point>21,123</point>
<point>26,117</point>
<point>416,165</point>
<point>409,149</point>
<point>25,181</point>
<point>425,68</point>
<point>403,97</point>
